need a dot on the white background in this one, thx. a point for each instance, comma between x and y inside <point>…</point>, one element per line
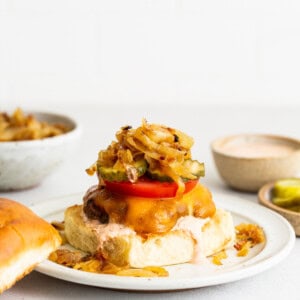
<point>154,52</point>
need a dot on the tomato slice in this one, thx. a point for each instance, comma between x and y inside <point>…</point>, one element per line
<point>148,188</point>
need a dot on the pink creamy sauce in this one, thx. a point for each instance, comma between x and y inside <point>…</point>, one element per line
<point>189,224</point>
<point>194,226</point>
<point>107,231</point>
<point>258,149</point>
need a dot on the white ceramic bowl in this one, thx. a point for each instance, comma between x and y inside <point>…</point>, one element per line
<point>248,161</point>
<point>24,164</point>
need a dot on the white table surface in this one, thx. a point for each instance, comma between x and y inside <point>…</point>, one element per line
<point>204,124</point>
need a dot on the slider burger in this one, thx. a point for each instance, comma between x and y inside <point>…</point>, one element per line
<point>148,208</point>
<point>25,241</point>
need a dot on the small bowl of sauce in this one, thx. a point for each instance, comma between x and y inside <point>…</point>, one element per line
<point>248,161</point>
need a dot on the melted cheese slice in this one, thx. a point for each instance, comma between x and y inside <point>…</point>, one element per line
<point>148,216</point>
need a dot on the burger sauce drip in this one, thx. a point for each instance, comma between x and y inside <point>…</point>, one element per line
<point>194,226</point>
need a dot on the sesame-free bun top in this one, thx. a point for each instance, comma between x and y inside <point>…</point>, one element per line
<point>25,240</point>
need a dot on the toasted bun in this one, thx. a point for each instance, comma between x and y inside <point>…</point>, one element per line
<point>128,248</point>
<point>25,241</point>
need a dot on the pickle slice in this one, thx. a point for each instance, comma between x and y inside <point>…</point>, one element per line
<point>114,174</point>
<point>158,175</point>
<point>195,167</point>
<point>286,193</point>
<point>287,202</point>
<point>295,208</point>
<point>287,188</point>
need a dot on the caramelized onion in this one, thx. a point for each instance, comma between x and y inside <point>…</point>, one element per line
<point>163,147</point>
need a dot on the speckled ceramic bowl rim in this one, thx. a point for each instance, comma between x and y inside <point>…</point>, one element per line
<point>74,132</point>
<point>267,189</point>
<point>215,145</point>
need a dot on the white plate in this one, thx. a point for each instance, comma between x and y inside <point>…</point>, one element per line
<point>280,239</point>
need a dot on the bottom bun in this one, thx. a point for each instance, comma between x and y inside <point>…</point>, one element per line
<point>122,246</point>
<point>25,241</point>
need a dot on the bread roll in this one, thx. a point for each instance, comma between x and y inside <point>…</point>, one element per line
<point>122,246</point>
<point>25,241</point>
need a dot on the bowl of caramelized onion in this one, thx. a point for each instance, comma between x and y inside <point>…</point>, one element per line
<point>32,145</point>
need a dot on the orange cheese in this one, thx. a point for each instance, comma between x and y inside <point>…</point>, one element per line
<point>147,215</point>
